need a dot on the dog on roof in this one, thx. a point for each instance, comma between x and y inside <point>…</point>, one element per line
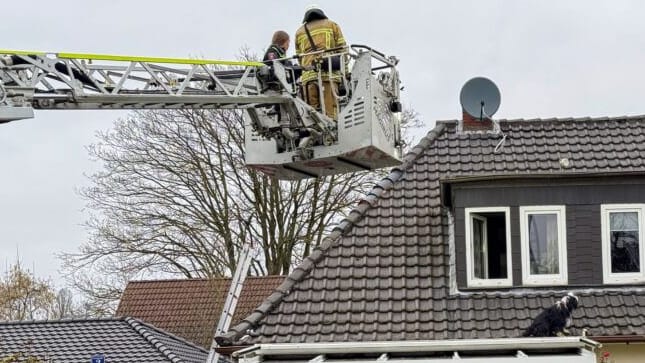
<point>554,320</point>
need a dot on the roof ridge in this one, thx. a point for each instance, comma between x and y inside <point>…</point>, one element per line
<point>143,329</point>
<point>64,320</point>
<point>560,119</point>
<point>345,225</point>
<point>194,279</point>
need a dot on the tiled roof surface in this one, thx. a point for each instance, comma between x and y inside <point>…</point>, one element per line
<point>191,308</point>
<point>120,340</point>
<point>383,274</point>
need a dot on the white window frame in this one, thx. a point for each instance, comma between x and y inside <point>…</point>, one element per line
<point>471,280</point>
<point>560,278</point>
<point>627,277</point>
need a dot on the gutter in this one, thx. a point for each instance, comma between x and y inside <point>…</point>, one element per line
<point>229,350</point>
<point>618,338</point>
<point>420,346</point>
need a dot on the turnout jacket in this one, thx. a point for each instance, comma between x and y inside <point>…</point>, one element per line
<point>325,35</point>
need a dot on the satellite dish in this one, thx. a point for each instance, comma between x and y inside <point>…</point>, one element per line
<point>480,98</point>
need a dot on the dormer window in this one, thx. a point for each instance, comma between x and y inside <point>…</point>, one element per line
<point>544,245</point>
<point>488,246</point>
<point>622,239</point>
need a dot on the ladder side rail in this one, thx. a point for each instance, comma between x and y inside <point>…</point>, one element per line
<point>231,303</point>
<point>152,101</point>
<point>213,357</point>
<point>95,77</point>
<point>235,290</point>
<point>241,271</point>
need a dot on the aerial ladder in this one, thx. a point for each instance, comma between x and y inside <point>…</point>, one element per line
<point>291,141</point>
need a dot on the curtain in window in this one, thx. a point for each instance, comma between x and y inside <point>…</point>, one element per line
<point>543,244</point>
<point>624,243</point>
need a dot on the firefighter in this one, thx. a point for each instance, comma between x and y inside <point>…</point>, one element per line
<point>318,33</point>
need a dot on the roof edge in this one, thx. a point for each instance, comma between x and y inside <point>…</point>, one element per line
<point>354,216</point>
<point>143,329</point>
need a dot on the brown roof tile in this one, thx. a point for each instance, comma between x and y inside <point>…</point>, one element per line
<point>191,308</point>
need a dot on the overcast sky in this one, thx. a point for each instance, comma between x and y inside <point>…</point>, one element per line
<point>549,59</point>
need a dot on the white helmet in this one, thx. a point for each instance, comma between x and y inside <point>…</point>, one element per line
<point>313,12</point>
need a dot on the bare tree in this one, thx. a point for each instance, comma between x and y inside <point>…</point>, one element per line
<point>63,306</point>
<point>101,291</point>
<point>174,197</point>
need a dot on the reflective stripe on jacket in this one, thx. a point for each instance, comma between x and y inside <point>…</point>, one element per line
<point>326,35</point>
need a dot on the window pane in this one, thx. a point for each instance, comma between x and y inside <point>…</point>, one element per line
<point>488,236</point>
<point>624,243</point>
<point>543,244</point>
<point>496,246</point>
<point>479,250</point>
<point>623,221</point>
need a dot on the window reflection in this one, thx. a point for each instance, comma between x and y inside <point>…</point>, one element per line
<point>624,243</point>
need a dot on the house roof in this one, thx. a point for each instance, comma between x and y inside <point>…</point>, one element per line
<point>384,273</point>
<point>123,340</point>
<point>191,308</point>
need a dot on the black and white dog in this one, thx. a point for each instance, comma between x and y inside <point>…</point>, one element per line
<point>554,320</point>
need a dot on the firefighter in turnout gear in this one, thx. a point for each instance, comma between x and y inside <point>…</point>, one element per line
<point>318,33</point>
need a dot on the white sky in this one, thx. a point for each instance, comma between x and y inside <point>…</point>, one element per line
<point>549,58</point>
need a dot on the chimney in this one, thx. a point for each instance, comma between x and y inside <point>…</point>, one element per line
<point>470,123</point>
<point>479,98</point>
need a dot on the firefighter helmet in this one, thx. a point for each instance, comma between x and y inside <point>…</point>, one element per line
<point>313,12</point>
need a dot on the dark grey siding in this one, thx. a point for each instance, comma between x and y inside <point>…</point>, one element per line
<point>582,198</point>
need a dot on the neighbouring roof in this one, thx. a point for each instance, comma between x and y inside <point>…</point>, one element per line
<point>384,274</point>
<point>120,340</point>
<point>191,308</point>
